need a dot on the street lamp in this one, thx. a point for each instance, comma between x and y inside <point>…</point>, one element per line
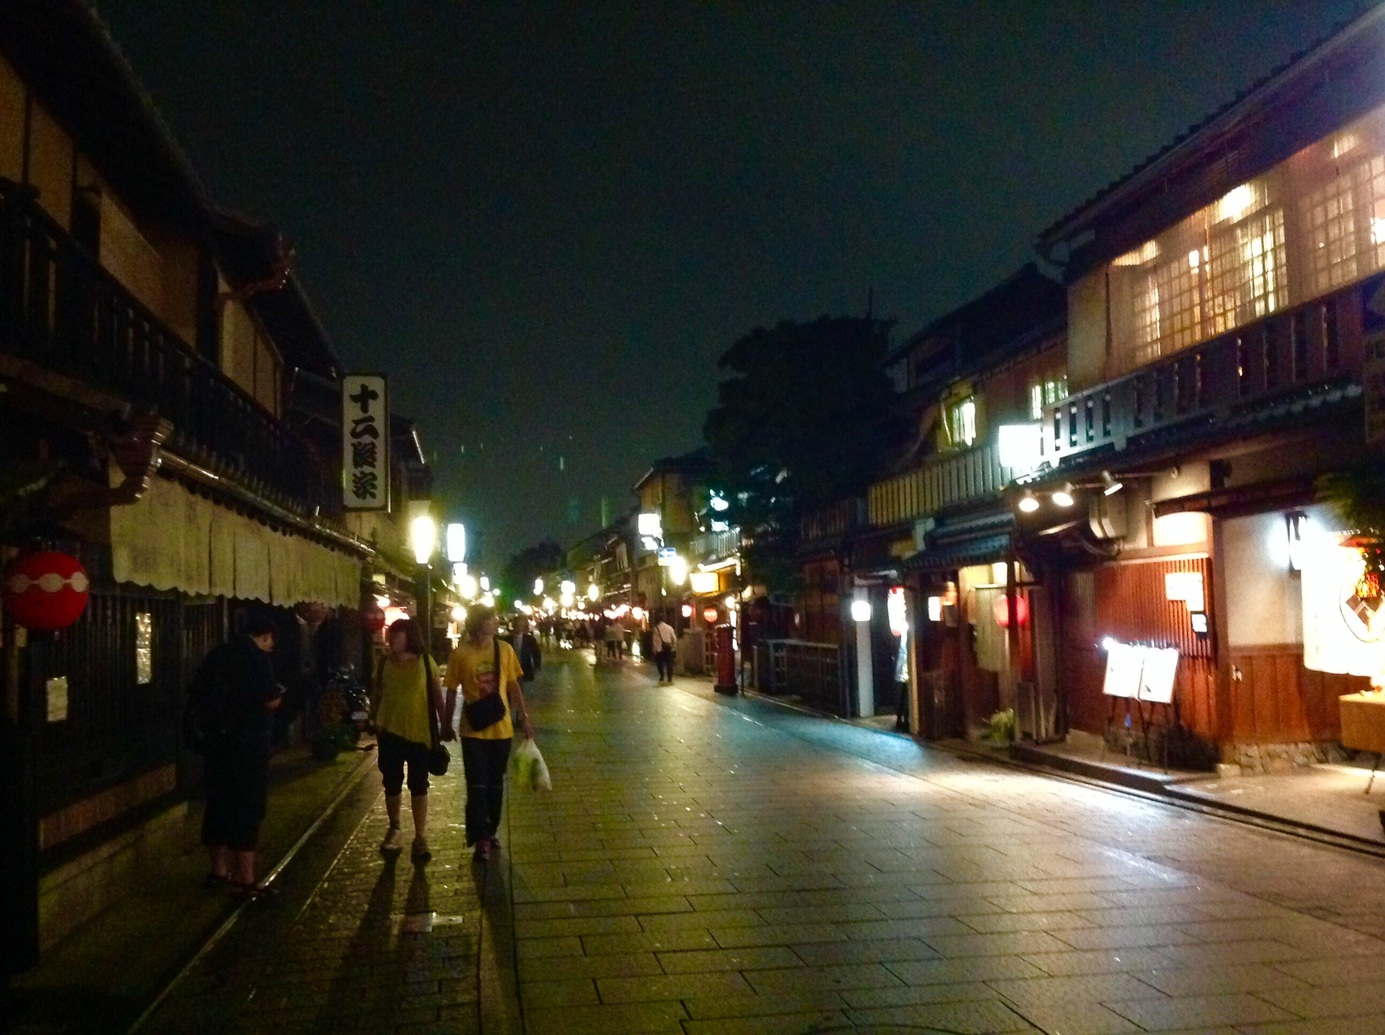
<point>423,533</point>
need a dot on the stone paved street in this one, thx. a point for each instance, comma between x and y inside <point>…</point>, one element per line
<point>707,864</point>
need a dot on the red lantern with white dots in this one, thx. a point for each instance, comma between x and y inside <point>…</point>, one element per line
<point>46,591</point>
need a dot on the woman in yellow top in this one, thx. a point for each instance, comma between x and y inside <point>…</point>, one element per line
<point>406,688</point>
<point>483,665</point>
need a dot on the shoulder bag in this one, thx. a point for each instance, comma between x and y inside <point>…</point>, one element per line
<point>438,757</point>
<point>490,709</point>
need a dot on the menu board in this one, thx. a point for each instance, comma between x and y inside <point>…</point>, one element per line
<point>1139,672</point>
<point>1124,662</point>
<point>1156,679</point>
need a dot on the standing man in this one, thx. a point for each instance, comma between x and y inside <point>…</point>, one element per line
<point>665,643</point>
<point>526,646</point>
<point>238,695</point>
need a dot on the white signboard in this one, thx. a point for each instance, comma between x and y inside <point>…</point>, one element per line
<point>1123,664</point>
<point>1156,678</point>
<point>1139,672</point>
<point>365,442</point>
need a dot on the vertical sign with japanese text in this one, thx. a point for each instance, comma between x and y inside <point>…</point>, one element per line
<point>365,442</point>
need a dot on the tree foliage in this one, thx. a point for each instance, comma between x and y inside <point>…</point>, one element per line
<point>541,559</point>
<point>799,424</point>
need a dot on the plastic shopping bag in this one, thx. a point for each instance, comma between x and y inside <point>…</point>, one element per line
<point>528,768</point>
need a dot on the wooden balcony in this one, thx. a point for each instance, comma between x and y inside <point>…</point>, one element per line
<point>939,483</point>
<point>61,310</point>
<point>1317,344</point>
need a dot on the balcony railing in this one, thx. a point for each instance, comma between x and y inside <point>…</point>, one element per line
<point>1311,345</point>
<point>833,520</point>
<point>940,483</point>
<point>715,546</point>
<point>61,310</point>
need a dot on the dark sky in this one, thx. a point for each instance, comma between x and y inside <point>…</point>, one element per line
<point>547,222</point>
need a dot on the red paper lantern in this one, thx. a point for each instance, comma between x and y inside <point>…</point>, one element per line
<point>1001,610</point>
<point>374,618</point>
<point>45,591</point>
<point>710,615</point>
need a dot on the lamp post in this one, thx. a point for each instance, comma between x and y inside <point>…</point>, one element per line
<point>423,535</point>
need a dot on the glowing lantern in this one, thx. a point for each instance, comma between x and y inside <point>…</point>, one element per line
<point>1001,610</point>
<point>46,591</point>
<point>687,610</point>
<point>710,615</point>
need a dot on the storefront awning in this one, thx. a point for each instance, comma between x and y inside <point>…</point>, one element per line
<point>959,553</point>
<point>1236,502</point>
<point>173,539</point>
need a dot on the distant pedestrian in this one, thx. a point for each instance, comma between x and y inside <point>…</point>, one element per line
<point>614,636</point>
<point>407,688</point>
<point>237,695</point>
<point>665,642</point>
<point>526,646</point>
<point>483,665</point>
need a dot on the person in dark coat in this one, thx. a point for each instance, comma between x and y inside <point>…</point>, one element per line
<point>239,696</point>
<point>526,645</point>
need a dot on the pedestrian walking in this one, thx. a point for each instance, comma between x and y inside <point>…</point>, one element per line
<point>665,644</point>
<point>486,673</point>
<point>407,689</point>
<point>614,636</point>
<point>237,697</point>
<point>526,646</point>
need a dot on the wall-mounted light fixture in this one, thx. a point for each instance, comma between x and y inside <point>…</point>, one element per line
<point>1110,484</point>
<point>1063,495</point>
<point>1028,502</point>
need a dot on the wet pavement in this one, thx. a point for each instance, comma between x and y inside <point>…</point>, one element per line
<point>715,864</point>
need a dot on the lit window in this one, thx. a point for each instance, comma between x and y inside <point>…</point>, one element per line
<point>961,422</point>
<point>1221,267</point>
<point>1048,392</point>
<point>144,647</point>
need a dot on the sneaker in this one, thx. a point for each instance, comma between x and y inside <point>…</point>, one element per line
<point>394,841</point>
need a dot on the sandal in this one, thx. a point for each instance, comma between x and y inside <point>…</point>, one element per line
<point>212,881</point>
<point>252,892</point>
<point>483,850</point>
<point>419,852</point>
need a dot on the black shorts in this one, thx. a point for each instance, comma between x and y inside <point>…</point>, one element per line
<point>392,754</point>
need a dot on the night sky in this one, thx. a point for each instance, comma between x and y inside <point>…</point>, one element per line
<point>547,222</point>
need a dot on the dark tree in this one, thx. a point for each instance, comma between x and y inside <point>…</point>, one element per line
<point>799,424</point>
<point>541,559</point>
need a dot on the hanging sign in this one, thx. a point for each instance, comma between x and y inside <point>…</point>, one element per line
<point>1343,611</point>
<point>365,442</point>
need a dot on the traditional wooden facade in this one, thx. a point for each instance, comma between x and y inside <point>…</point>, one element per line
<point>1224,305</point>
<point>161,375</point>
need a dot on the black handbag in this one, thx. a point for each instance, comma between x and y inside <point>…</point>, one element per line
<point>438,756</point>
<point>487,711</point>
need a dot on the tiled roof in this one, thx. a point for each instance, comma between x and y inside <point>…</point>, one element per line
<point>1055,232</point>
